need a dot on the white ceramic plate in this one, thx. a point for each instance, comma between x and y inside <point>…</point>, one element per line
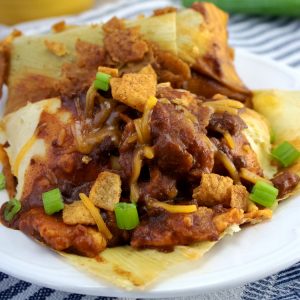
<point>251,254</point>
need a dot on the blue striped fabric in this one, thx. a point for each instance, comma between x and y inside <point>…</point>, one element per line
<point>278,38</point>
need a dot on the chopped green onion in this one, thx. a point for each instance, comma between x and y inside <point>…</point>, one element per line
<point>2,181</point>
<point>102,81</point>
<point>12,207</point>
<point>286,154</point>
<point>53,201</point>
<point>126,215</point>
<point>264,194</point>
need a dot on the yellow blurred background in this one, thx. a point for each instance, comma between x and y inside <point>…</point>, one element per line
<point>16,11</point>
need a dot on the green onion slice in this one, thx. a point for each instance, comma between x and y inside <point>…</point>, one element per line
<point>264,194</point>
<point>12,207</point>
<point>286,154</point>
<point>126,215</point>
<point>102,81</point>
<point>2,181</point>
<point>53,201</point>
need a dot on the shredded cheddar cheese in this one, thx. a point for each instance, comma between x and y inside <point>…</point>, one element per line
<point>230,167</point>
<point>229,139</point>
<point>136,165</point>
<point>137,125</point>
<point>148,152</point>
<point>175,208</point>
<point>221,108</point>
<point>143,136</point>
<point>145,128</point>
<point>134,192</point>
<point>252,177</point>
<point>142,125</point>
<point>26,147</point>
<point>226,102</point>
<point>96,215</point>
<point>132,138</point>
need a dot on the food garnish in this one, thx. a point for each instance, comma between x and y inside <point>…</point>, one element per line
<point>53,201</point>
<point>12,207</point>
<point>286,154</point>
<point>102,81</point>
<point>126,215</point>
<point>264,194</point>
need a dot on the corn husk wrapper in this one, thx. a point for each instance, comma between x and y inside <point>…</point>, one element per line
<point>18,129</point>
<point>258,135</point>
<point>130,269</point>
<point>30,54</point>
<point>202,42</point>
<point>282,110</point>
<point>186,34</point>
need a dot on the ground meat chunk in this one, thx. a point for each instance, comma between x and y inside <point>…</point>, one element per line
<point>242,155</point>
<point>243,151</point>
<point>222,122</point>
<point>160,187</point>
<point>70,191</point>
<point>167,229</point>
<point>179,143</point>
<point>126,152</point>
<point>123,45</point>
<point>172,155</point>
<point>59,236</point>
<point>169,93</point>
<point>120,237</point>
<point>189,101</point>
<point>285,182</point>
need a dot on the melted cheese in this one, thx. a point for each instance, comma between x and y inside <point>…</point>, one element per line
<point>96,215</point>
<point>252,177</point>
<point>229,140</point>
<point>175,208</point>
<point>24,150</point>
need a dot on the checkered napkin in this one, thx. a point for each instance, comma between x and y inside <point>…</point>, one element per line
<point>278,38</point>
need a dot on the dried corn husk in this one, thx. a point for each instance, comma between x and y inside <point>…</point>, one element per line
<point>258,135</point>
<point>282,110</point>
<point>30,54</point>
<point>131,269</point>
